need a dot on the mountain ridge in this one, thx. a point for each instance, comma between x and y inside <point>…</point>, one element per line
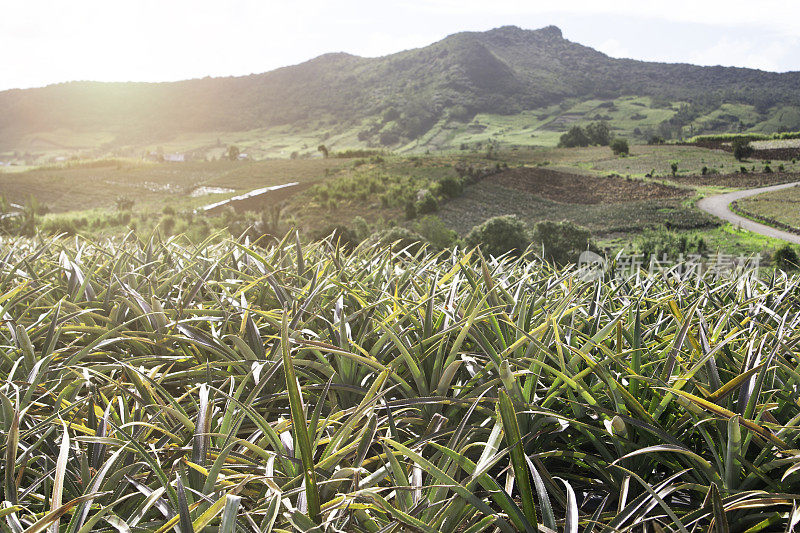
<point>504,70</point>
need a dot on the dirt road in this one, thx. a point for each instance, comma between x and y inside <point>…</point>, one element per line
<point>718,206</point>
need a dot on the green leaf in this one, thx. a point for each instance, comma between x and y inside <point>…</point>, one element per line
<point>518,460</point>
<point>303,442</point>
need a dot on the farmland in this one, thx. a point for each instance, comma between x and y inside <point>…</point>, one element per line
<point>781,206</point>
<point>95,184</point>
<point>294,387</point>
<point>370,192</point>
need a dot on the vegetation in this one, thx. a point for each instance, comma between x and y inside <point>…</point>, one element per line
<point>596,133</point>
<point>776,208</point>
<point>435,232</point>
<point>660,242</point>
<point>426,204</point>
<point>345,101</point>
<point>399,238</point>
<point>786,258</point>
<point>748,137</point>
<point>150,384</point>
<point>741,149</point>
<point>619,146</point>
<point>233,153</point>
<point>401,342</point>
<point>576,136</point>
<point>500,235</point>
<point>562,242</point>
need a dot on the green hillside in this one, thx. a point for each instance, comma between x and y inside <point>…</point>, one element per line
<point>398,100</point>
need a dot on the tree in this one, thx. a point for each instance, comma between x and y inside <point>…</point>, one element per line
<point>620,146</point>
<point>324,149</point>
<point>598,133</point>
<point>499,235</point>
<point>562,242</point>
<point>576,136</point>
<point>233,153</point>
<point>741,149</point>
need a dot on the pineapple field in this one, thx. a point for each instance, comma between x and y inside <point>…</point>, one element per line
<point>166,385</point>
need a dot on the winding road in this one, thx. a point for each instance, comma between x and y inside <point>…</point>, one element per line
<point>718,206</point>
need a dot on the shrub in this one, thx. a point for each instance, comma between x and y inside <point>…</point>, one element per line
<point>562,242</point>
<point>741,149</point>
<point>785,258</point>
<point>338,233</point>
<point>743,169</point>
<point>655,139</point>
<point>168,210</point>
<point>767,169</point>
<point>411,210</point>
<point>59,225</point>
<point>674,167</point>
<point>660,242</point>
<point>360,228</point>
<point>427,204</point>
<point>499,235</point>
<point>168,224</point>
<point>435,232</point>
<point>620,146</point>
<point>451,186</point>
<point>704,171</point>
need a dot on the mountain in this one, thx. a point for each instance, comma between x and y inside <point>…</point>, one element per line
<point>504,71</point>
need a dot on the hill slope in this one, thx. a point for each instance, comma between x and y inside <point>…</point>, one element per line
<point>502,71</point>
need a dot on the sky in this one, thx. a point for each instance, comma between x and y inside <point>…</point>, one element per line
<point>51,41</point>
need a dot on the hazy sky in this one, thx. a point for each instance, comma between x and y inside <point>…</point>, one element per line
<point>49,41</point>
